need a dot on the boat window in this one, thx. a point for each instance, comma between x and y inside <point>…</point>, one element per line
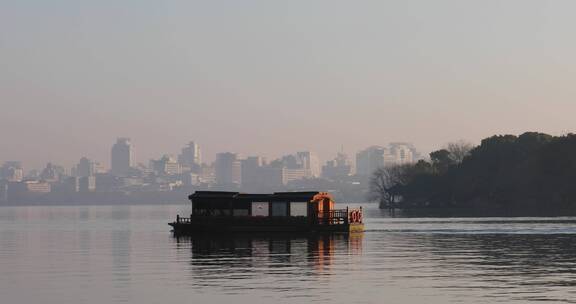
<point>259,208</point>
<point>298,209</point>
<point>240,212</point>
<point>279,208</point>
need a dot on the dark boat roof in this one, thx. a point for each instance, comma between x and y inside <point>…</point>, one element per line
<point>276,196</point>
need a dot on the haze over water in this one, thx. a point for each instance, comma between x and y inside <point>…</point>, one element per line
<point>126,254</point>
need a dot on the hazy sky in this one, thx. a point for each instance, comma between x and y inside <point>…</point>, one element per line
<point>268,77</point>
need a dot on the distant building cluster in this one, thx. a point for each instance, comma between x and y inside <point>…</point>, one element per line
<point>378,156</point>
<point>187,172</point>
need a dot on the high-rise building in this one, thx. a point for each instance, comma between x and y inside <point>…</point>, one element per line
<point>337,168</point>
<point>166,165</point>
<point>68,185</point>
<point>389,157</point>
<point>12,171</point>
<point>253,176</point>
<point>374,157</point>
<point>305,164</point>
<point>207,174</point>
<point>369,159</point>
<point>190,179</point>
<point>52,173</point>
<point>310,162</point>
<point>122,157</point>
<point>228,170</point>
<point>87,184</point>
<point>290,161</point>
<point>289,175</point>
<point>85,167</point>
<point>404,153</point>
<point>191,156</point>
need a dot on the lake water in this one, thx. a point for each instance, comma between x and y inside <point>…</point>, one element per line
<point>126,254</point>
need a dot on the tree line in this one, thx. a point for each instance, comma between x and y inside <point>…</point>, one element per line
<point>530,173</point>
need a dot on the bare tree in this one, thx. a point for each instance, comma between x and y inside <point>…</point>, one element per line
<point>384,184</point>
<point>459,150</point>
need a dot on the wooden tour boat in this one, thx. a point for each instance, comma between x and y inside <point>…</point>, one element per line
<point>215,211</point>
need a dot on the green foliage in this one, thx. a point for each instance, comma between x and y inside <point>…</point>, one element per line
<point>533,171</point>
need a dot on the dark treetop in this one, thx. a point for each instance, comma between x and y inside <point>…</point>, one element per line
<point>533,173</point>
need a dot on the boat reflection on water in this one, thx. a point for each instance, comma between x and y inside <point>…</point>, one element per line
<point>243,256</point>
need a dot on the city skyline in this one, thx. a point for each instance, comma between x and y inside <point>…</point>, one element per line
<point>208,155</point>
<point>167,177</point>
<point>125,158</point>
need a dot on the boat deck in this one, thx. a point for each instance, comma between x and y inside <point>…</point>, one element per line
<point>331,221</point>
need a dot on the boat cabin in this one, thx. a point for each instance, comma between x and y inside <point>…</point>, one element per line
<point>295,204</point>
<point>276,212</point>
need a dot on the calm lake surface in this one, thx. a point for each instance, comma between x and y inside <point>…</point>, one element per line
<point>126,254</point>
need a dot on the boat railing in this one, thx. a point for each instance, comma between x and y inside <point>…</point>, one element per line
<point>329,217</point>
<point>340,216</point>
<point>183,220</point>
<point>332,217</point>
